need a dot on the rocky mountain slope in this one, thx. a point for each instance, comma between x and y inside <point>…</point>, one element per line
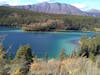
<point>93,12</point>
<point>53,8</point>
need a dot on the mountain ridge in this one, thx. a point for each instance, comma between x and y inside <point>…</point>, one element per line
<point>58,8</point>
<point>53,8</point>
<point>93,11</point>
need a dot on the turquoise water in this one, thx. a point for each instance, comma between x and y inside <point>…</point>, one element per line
<point>43,42</point>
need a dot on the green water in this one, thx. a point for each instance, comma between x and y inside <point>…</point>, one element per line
<point>43,42</point>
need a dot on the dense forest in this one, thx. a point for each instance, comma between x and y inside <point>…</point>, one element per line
<point>84,62</point>
<point>30,20</point>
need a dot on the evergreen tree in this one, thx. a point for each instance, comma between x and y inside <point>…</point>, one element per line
<point>2,55</point>
<point>24,52</point>
<point>2,52</point>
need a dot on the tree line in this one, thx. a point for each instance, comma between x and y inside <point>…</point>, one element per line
<point>22,17</point>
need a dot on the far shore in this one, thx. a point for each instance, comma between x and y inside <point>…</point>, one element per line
<point>56,30</point>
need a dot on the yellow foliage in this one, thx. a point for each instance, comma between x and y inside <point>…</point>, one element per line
<point>2,55</point>
<point>51,61</point>
<point>17,72</point>
<point>71,65</point>
<point>35,67</point>
<point>70,61</point>
<point>35,60</point>
<point>97,29</point>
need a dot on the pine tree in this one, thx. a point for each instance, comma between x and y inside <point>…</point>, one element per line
<point>2,55</point>
<point>24,52</point>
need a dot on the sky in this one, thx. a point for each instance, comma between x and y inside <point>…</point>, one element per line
<point>81,4</point>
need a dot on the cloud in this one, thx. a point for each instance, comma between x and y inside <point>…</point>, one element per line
<point>80,6</point>
<point>43,0</point>
<point>23,2</point>
<point>14,2</point>
<point>4,1</point>
<point>11,2</point>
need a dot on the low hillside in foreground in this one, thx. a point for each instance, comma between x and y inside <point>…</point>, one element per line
<point>86,61</point>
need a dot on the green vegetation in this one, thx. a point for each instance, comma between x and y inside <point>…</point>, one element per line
<point>90,47</point>
<point>17,66</point>
<point>33,21</point>
<point>86,63</point>
<point>24,52</point>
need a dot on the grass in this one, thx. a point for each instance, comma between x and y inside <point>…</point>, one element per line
<point>69,66</point>
<point>97,29</point>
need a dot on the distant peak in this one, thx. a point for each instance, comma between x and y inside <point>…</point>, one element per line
<point>94,10</point>
<point>51,3</point>
<point>44,3</point>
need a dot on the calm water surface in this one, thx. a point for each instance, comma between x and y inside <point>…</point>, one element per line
<point>43,42</point>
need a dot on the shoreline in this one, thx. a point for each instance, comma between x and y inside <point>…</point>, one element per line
<point>76,42</point>
<point>45,31</point>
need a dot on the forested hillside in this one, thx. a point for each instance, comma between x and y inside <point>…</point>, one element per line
<point>46,22</point>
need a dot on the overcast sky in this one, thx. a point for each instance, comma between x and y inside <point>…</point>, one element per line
<point>82,4</point>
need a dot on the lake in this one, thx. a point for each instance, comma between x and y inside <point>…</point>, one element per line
<point>43,42</point>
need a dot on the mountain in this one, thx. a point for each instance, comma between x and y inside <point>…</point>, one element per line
<point>93,12</point>
<point>58,8</point>
<point>53,8</point>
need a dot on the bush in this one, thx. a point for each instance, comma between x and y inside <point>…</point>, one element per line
<point>90,47</point>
